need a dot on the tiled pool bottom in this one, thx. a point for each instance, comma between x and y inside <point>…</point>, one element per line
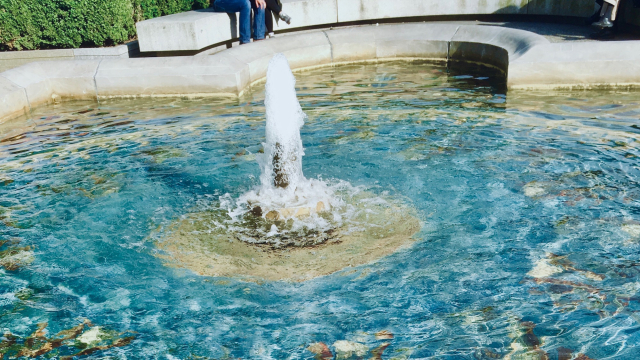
<point>529,202</point>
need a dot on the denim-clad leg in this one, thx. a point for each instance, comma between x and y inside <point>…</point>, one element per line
<point>258,22</point>
<point>244,8</point>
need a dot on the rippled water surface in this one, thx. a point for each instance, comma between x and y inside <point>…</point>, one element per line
<point>529,201</point>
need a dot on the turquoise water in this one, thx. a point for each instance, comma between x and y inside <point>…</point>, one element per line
<point>530,205</point>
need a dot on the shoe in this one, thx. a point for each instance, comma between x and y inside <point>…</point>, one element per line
<point>284,17</point>
<point>271,35</point>
<point>604,23</point>
<point>605,20</point>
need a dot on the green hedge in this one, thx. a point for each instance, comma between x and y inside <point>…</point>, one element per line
<point>55,24</point>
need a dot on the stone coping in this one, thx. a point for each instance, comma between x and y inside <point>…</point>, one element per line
<point>13,59</point>
<point>197,30</point>
<point>528,60</point>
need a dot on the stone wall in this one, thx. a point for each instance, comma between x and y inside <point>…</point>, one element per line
<point>357,10</point>
<point>579,8</point>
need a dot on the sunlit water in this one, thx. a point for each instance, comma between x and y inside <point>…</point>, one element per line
<point>504,185</point>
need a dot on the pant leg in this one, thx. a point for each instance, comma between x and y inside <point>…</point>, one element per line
<point>614,14</point>
<point>268,20</point>
<point>241,6</point>
<point>274,6</point>
<point>614,5</point>
<point>258,22</point>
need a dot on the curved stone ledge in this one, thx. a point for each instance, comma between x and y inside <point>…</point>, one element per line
<point>577,65</point>
<point>492,45</point>
<point>528,59</point>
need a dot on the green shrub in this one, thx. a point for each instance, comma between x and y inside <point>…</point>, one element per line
<point>47,24</point>
<point>148,9</point>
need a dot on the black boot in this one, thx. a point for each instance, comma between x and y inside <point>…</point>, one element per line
<point>605,21</point>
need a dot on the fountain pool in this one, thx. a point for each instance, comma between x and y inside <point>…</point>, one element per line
<point>527,203</point>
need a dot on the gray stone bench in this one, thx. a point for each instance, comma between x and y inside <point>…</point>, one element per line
<point>194,31</point>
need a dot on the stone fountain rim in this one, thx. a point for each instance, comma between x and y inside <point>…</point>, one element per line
<point>529,61</point>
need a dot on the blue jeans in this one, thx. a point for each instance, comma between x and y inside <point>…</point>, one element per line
<point>244,8</point>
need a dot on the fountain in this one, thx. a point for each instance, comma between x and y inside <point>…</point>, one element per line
<point>528,245</point>
<point>290,227</point>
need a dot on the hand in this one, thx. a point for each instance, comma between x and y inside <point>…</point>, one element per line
<point>261,4</point>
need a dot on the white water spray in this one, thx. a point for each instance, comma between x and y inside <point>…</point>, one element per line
<point>282,161</point>
<point>287,208</point>
<point>283,187</point>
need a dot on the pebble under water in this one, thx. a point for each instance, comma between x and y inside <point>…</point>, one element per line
<point>529,204</point>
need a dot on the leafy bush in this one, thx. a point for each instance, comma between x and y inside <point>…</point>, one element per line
<point>46,24</point>
<point>147,9</point>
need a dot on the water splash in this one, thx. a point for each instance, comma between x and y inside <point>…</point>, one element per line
<point>284,191</point>
<point>282,161</point>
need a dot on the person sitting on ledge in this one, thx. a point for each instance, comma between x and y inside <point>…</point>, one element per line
<point>244,8</point>
<point>274,9</point>
<point>608,15</point>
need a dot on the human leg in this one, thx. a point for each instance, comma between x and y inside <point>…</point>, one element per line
<point>245,22</point>
<point>276,8</point>
<point>273,6</point>
<point>241,6</point>
<point>607,14</point>
<point>258,21</point>
<point>607,19</point>
<point>268,19</point>
<point>616,7</point>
